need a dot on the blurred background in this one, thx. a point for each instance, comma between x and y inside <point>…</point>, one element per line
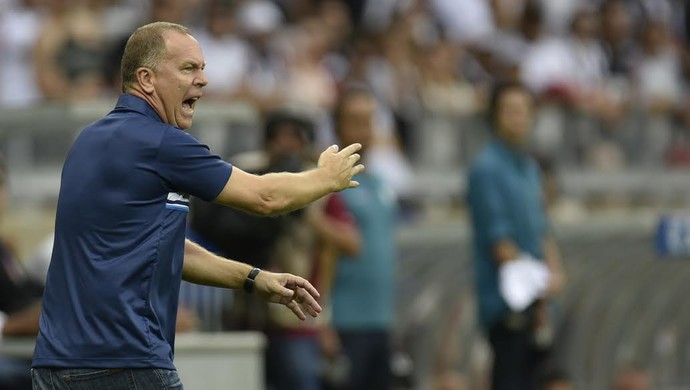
<point>612,136</point>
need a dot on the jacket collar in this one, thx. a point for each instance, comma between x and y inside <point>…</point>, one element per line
<point>130,102</point>
<point>516,156</point>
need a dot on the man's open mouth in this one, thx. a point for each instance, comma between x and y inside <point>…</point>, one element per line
<point>188,104</point>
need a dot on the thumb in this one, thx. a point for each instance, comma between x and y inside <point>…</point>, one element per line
<point>334,147</point>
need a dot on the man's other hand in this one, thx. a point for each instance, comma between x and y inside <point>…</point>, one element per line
<point>292,291</point>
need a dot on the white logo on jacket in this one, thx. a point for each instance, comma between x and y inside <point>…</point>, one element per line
<point>177,201</point>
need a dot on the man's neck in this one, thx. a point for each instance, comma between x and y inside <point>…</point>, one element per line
<point>150,99</point>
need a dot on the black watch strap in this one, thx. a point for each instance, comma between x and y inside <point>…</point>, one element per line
<point>249,282</point>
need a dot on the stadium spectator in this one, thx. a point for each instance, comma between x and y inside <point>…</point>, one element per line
<point>20,26</point>
<point>307,247</point>
<point>364,285</point>
<point>443,89</point>
<point>120,253</point>
<point>574,67</point>
<point>558,14</point>
<point>309,83</point>
<point>447,98</point>
<point>465,21</point>
<point>236,234</point>
<point>659,88</point>
<point>337,31</point>
<point>385,64</point>
<point>395,78</point>
<point>658,73</point>
<point>19,305</point>
<point>226,53</point>
<point>507,13</point>
<point>302,243</point>
<point>509,221</point>
<point>373,69</point>
<point>70,51</point>
<point>174,11</point>
<point>260,23</point>
<point>617,38</point>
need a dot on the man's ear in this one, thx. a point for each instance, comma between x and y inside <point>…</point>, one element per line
<point>146,78</point>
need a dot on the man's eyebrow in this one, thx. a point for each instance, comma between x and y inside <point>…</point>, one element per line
<point>194,63</point>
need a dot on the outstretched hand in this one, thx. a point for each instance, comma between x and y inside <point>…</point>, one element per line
<point>292,291</point>
<point>340,166</point>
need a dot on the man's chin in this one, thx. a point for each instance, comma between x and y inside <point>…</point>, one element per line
<point>184,124</point>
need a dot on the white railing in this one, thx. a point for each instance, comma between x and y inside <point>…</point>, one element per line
<point>212,361</point>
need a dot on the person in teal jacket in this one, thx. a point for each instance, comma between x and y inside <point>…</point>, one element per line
<point>509,220</point>
<point>363,289</point>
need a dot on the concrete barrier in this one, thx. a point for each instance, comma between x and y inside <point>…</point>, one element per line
<point>204,360</point>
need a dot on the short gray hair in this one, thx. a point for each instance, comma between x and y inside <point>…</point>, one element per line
<point>145,48</point>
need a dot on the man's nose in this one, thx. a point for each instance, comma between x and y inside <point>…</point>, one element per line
<point>201,79</point>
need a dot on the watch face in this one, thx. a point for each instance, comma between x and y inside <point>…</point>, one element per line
<point>249,282</point>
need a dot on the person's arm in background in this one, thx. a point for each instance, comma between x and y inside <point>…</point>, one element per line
<point>203,267</point>
<point>278,193</point>
<point>340,236</point>
<point>23,322</point>
<point>552,258</point>
<point>334,225</point>
<point>487,206</point>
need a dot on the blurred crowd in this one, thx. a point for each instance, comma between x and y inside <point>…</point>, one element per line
<point>409,79</point>
<point>611,76</point>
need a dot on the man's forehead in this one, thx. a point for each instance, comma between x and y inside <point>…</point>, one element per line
<point>181,45</point>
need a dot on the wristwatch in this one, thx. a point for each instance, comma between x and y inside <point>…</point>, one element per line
<point>249,282</point>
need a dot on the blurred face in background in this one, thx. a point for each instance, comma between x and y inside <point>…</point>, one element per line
<point>585,25</point>
<point>616,23</point>
<point>531,22</point>
<point>355,120</point>
<point>221,19</point>
<point>654,37</point>
<point>336,20</point>
<point>514,115</point>
<point>288,141</point>
<point>169,10</point>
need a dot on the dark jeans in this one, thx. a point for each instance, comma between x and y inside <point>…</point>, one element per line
<point>517,361</point>
<point>105,379</point>
<point>293,362</point>
<point>369,353</point>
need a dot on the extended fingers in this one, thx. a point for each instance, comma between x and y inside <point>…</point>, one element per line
<point>295,282</point>
<point>304,283</point>
<point>294,306</point>
<point>351,149</point>
<point>307,301</point>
